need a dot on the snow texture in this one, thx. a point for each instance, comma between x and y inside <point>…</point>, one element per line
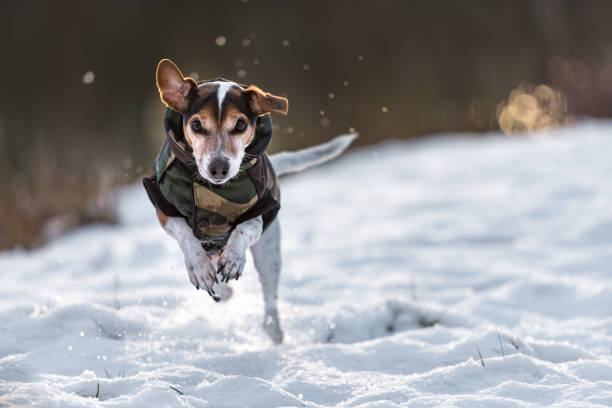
<point>403,263</point>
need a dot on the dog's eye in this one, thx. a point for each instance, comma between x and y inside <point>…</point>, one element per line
<point>240,125</point>
<point>196,126</point>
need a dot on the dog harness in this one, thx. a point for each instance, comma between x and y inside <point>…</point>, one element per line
<point>213,211</point>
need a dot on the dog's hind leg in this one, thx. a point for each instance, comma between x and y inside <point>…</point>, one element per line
<point>267,259</point>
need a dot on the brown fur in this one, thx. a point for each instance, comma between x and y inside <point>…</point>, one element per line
<point>218,132</point>
<point>264,102</point>
<point>173,87</point>
<point>208,119</point>
<point>163,218</point>
<point>240,140</point>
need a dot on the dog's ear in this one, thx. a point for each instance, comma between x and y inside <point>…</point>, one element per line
<point>263,102</point>
<point>174,89</point>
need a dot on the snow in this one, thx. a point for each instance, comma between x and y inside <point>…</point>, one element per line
<point>402,262</point>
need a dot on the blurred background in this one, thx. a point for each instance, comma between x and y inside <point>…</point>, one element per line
<point>80,114</point>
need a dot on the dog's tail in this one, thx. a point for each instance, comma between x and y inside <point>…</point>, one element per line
<point>293,162</point>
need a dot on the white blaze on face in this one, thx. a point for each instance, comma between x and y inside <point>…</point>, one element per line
<point>222,91</point>
<point>203,162</point>
<point>222,88</point>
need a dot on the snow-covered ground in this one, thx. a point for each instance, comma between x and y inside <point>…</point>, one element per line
<point>402,262</point>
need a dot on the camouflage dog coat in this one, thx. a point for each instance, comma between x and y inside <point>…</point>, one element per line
<point>213,211</point>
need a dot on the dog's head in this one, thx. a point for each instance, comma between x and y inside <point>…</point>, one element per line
<point>218,118</point>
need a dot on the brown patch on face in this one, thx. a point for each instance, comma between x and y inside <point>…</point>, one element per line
<point>219,132</point>
<point>202,141</point>
<point>224,116</point>
<point>236,141</point>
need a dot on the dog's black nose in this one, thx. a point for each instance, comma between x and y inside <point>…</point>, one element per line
<point>218,168</point>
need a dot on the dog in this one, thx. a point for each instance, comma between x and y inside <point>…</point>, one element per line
<point>215,189</point>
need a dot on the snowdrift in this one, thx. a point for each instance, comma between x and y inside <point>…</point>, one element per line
<point>450,272</point>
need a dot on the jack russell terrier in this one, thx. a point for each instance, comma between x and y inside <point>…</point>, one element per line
<point>214,187</point>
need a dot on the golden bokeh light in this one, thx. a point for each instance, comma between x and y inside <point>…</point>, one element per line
<point>531,107</point>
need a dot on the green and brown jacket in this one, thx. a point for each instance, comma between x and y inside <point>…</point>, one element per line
<point>213,211</point>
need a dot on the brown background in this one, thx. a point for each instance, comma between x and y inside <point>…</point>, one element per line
<point>433,65</point>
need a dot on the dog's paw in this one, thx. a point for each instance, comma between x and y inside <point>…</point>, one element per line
<point>202,275</point>
<point>271,325</point>
<point>192,275</point>
<point>224,291</point>
<point>231,263</point>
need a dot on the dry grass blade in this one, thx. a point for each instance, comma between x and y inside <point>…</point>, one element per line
<point>177,390</point>
<point>501,347</point>
<point>480,355</point>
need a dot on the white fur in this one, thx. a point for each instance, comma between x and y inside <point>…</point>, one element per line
<point>235,165</point>
<point>199,266</point>
<point>203,267</point>
<point>223,88</point>
<point>233,257</point>
<point>267,259</point>
<point>222,91</point>
<point>293,162</point>
<point>204,160</point>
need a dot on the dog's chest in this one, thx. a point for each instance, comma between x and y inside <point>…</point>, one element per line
<point>217,208</point>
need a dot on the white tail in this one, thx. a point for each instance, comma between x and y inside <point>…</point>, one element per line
<point>293,162</point>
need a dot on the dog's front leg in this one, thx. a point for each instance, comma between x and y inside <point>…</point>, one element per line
<point>233,257</point>
<point>201,272</point>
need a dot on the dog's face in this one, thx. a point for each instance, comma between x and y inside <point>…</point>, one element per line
<point>218,118</point>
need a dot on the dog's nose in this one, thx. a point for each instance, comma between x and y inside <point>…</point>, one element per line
<point>218,168</point>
